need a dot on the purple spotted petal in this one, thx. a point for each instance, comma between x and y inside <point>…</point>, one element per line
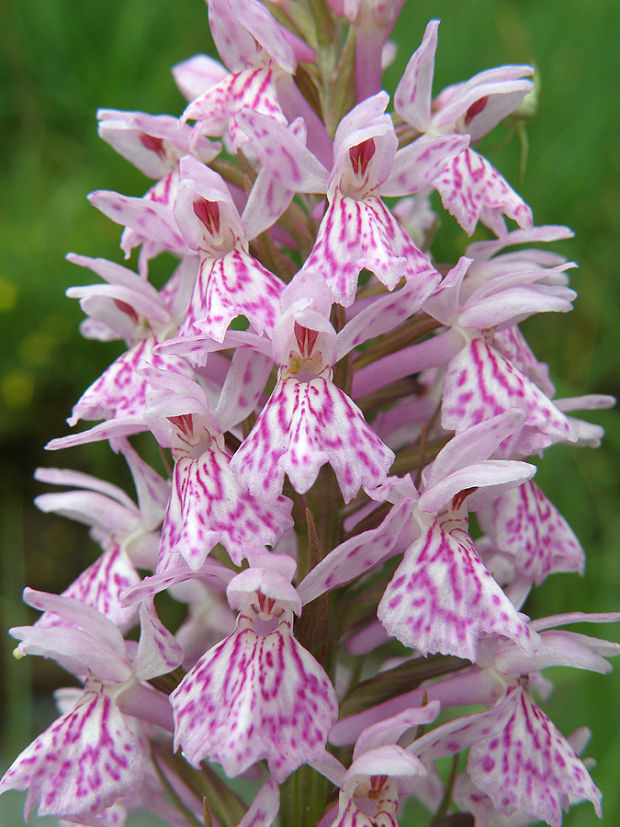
<point>254,697</point>
<point>158,651</point>
<point>417,165</point>
<point>461,733</point>
<point>234,285</point>
<point>215,112</point>
<point>208,506</point>
<point>529,766</point>
<point>149,220</point>
<point>364,234</point>
<point>511,343</point>
<point>101,586</point>
<point>284,153</point>
<point>303,426</point>
<point>443,599</point>
<point>120,391</point>
<point>383,813</point>
<point>83,762</point>
<point>472,190</point>
<point>480,383</point>
<point>524,523</point>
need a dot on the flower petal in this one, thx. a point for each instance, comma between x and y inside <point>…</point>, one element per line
<point>254,697</point>
<point>101,586</point>
<point>208,506</point>
<point>529,766</point>
<point>472,190</point>
<point>83,762</point>
<point>480,383</point>
<point>364,234</point>
<point>303,426</point>
<point>443,599</point>
<point>524,523</point>
<point>236,284</point>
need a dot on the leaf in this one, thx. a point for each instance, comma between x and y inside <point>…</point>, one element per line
<point>397,681</point>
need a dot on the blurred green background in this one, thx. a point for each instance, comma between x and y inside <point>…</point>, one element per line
<point>62,60</point>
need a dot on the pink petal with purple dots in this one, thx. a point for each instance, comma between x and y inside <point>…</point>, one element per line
<point>364,234</point>
<point>529,766</point>
<point>215,112</point>
<point>84,761</point>
<point>254,696</point>
<point>417,165</point>
<point>460,733</point>
<point>480,383</point>
<point>158,651</point>
<point>303,426</point>
<point>510,342</point>
<point>443,599</point>
<point>284,153</point>
<point>235,285</point>
<point>149,220</point>
<point>472,190</point>
<point>208,506</point>
<point>121,390</point>
<point>101,586</point>
<point>524,523</point>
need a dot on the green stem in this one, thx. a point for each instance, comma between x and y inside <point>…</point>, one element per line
<point>447,796</point>
<point>302,798</point>
<point>396,340</point>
